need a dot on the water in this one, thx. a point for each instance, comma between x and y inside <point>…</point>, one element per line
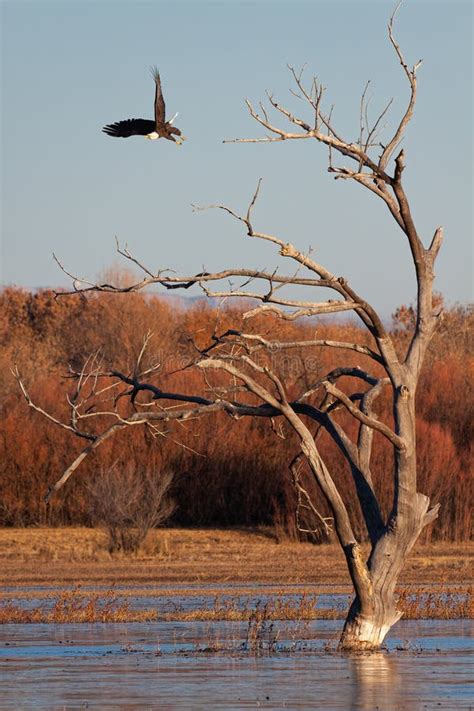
<point>159,666</point>
<point>164,603</point>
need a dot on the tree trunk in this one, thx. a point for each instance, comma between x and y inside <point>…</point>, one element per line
<point>369,620</point>
<point>374,611</point>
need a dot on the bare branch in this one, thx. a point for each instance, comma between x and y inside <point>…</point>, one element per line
<point>365,439</point>
<point>305,500</point>
<point>411,76</point>
<point>351,150</point>
<point>137,419</point>
<point>44,413</point>
<point>318,309</point>
<point>125,253</point>
<point>373,131</point>
<point>273,346</point>
<point>369,421</point>
<point>436,243</point>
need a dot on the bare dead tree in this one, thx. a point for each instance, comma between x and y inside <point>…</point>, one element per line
<point>243,382</point>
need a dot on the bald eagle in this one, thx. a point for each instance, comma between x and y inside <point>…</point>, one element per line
<point>159,128</point>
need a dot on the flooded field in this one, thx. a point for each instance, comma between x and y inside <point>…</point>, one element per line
<point>183,665</point>
<point>175,660</point>
<point>181,599</point>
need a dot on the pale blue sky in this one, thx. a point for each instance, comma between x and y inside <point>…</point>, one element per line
<point>70,67</point>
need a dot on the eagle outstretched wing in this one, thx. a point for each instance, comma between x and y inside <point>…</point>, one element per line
<point>160,108</point>
<point>130,127</point>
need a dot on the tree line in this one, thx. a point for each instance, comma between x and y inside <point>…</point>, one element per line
<point>222,473</point>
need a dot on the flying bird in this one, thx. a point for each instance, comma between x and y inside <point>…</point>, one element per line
<point>159,128</point>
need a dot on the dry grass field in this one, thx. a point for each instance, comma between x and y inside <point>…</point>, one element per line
<point>72,556</point>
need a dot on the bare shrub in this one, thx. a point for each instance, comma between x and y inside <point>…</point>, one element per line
<point>128,501</point>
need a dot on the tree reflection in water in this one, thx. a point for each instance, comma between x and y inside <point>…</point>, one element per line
<point>376,682</point>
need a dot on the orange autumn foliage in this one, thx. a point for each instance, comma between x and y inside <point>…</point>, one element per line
<point>226,472</point>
